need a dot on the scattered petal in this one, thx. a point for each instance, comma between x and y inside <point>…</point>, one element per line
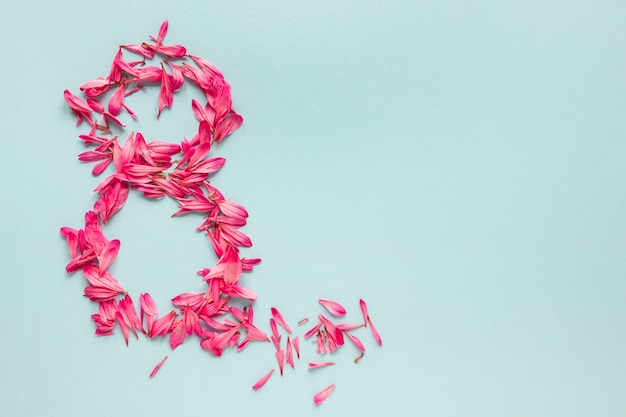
<point>263,380</point>
<point>157,367</point>
<point>333,307</point>
<point>314,365</point>
<point>321,396</point>
<point>279,319</point>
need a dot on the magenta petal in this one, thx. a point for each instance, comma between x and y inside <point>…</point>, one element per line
<point>280,357</point>
<point>296,346</point>
<point>157,367</point>
<point>279,319</point>
<point>289,354</point>
<point>333,307</point>
<point>356,341</point>
<point>321,396</point>
<point>314,365</point>
<point>375,332</point>
<point>263,380</point>
<point>364,311</point>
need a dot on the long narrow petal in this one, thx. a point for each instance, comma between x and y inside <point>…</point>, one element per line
<point>280,358</point>
<point>375,332</point>
<point>314,365</point>
<point>333,307</point>
<point>321,396</point>
<point>157,367</point>
<point>263,380</point>
<point>279,319</point>
<point>355,340</point>
<point>313,330</point>
<point>296,346</point>
<point>364,311</point>
<point>289,354</point>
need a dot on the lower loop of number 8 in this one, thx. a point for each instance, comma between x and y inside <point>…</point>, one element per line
<point>148,167</point>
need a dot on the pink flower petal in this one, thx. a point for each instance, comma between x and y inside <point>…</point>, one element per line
<point>280,358</point>
<point>364,311</point>
<point>375,332</point>
<point>263,380</point>
<point>303,321</point>
<point>157,367</point>
<point>289,354</point>
<point>355,340</point>
<point>314,365</point>
<point>279,319</point>
<point>296,346</point>
<point>321,396</point>
<point>333,307</point>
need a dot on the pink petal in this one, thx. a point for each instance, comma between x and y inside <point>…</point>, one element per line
<point>364,311</point>
<point>157,367</point>
<point>263,380</point>
<point>289,354</point>
<point>279,319</point>
<point>166,96</point>
<point>303,321</point>
<point>313,330</point>
<point>323,394</point>
<point>280,357</point>
<point>333,307</point>
<point>177,335</point>
<point>296,346</point>
<point>162,31</point>
<point>355,340</point>
<point>274,329</point>
<point>349,326</point>
<point>314,365</point>
<point>375,332</point>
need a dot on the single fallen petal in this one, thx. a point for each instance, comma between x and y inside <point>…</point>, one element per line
<point>289,354</point>
<point>349,326</point>
<point>333,307</point>
<point>375,332</point>
<point>274,328</point>
<point>321,396</point>
<point>303,321</point>
<point>279,319</point>
<point>296,346</point>
<point>312,330</point>
<point>355,340</point>
<point>280,357</point>
<point>358,358</point>
<point>364,311</point>
<point>314,365</point>
<point>263,380</point>
<point>157,367</point>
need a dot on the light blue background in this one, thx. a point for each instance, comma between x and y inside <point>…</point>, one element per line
<point>460,165</point>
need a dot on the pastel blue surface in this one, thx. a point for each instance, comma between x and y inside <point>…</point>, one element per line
<point>459,165</point>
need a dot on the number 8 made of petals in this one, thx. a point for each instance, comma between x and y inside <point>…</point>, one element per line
<point>159,169</point>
